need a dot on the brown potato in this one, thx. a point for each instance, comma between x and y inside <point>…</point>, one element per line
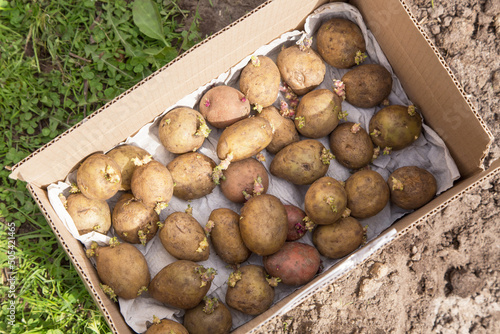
<point>295,263</point>
<point>366,86</point>
<point>351,145</point>
<point>224,105</point>
<point>411,187</point>
<point>301,70</point>
<point>302,162</point>
<point>152,183</point>
<point>123,155</point>
<point>211,316</point>
<point>284,129</point>
<point>182,284</point>
<point>88,214</point>
<point>248,290</point>
<point>184,238</point>
<point>226,237</point>
<point>133,221</point>
<point>244,139</point>
<point>325,201</point>
<point>167,326</point>
<point>99,177</point>
<point>260,81</point>
<point>122,269</point>
<point>367,193</point>
<point>341,43</point>
<point>263,224</point>
<point>182,130</point>
<point>244,179</point>
<point>192,175</point>
<point>395,127</point>
<point>338,240</point>
<point>318,113</point>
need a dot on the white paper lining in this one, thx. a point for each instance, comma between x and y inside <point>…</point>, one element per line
<point>428,152</point>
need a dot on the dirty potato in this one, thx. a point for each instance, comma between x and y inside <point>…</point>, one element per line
<point>284,129</point>
<point>260,81</point>
<point>325,201</point>
<point>302,162</point>
<point>224,229</point>
<point>338,240</point>
<point>341,43</point>
<point>244,139</point>
<point>244,179</point>
<point>192,175</point>
<point>184,238</point>
<point>124,156</point>
<point>302,70</point>
<point>367,85</point>
<point>183,130</point>
<point>318,113</point>
<point>411,187</point>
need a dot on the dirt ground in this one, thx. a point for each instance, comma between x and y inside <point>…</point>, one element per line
<point>442,276</point>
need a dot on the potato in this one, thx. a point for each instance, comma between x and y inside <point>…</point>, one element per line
<point>367,193</point>
<point>367,85</point>
<point>325,201</point>
<point>166,326</point>
<point>224,105</point>
<point>88,214</point>
<point>318,113</point>
<point>152,183</point>
<point>226,237</point>
<point>182,130</point>
<point>182,284</point>
<point>184,238</point>
<point>341,43</point>
<point>260,81</point>
<point>338,240</point>
<point>411,187</point>
<point>244,139</point>
<point>249,291</point>
<point>244,179</point>
<point>296,225</point>
<point>263,224</point>
<point>295,263</point>
<point>395,127</point>
<point>210,316</point>
<point>123,155</point>
<point>284,129</point>
<point>133,221</point>
<point>122,268</point>
<point>192,175</point>
<point>99,177</point>
<point>302,162</point>
<point>351,145</point>
<point>301,70</point>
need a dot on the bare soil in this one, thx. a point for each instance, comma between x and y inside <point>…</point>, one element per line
<point>443,275</point>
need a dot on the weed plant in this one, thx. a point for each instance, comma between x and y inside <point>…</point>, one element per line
<point>61,60</point>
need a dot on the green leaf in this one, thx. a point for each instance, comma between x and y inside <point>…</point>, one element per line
<point>147,18</point>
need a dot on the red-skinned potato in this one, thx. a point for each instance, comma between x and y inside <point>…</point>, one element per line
<point>296,225</point>
<point>224,105</point>
<point>295,263</point>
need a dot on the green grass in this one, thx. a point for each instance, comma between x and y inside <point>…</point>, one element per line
<point>59,62</point>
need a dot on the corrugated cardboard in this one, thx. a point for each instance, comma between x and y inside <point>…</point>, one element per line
<point>426,78</point>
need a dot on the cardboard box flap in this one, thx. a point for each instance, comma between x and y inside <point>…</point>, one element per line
<point>434,88</point>
<point>82,264</point>
<point>127,113</point>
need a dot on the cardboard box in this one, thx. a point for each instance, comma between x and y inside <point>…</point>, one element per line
<point>426,78</point>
